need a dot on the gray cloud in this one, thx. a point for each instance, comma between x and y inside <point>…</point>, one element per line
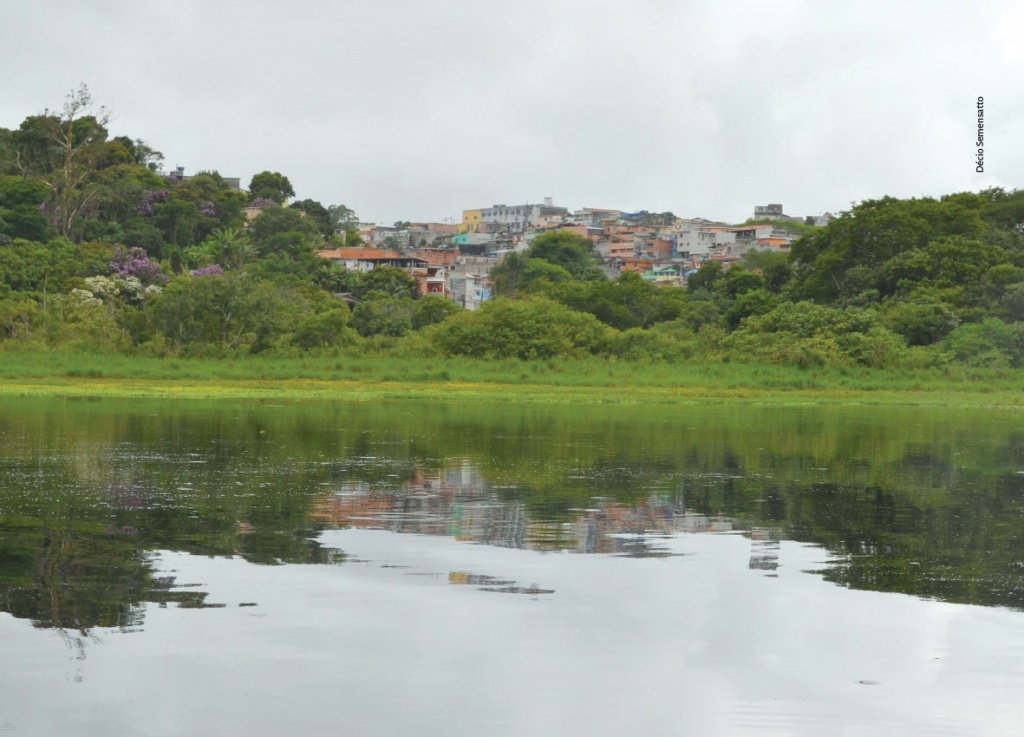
<point>411,109</point>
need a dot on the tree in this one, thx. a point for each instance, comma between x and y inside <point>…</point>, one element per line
<point>342,219</point>
<point>283,230</point>
<point>774,265</point>
<point>872,234</point>
<point>572,252</point>
<point>522,328</point>
<point>388,316</point>
<point>317,212</point>
<point>230,247</point>
<point>271,185</point>
<point>706,276</point>
<point>231,310</point>
<point>64,152</point>
<point>508,275</point>
<point>431,310</point>
<point>387,281</point>
<point>20,209</point>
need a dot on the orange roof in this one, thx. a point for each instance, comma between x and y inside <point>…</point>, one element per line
<point>433,256</point>
<point>359,254</point>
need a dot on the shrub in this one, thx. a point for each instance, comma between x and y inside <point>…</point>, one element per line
<point>526,329</point>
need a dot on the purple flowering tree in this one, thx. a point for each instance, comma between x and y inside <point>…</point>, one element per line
<point>134,262</point>
<point>211,270</point>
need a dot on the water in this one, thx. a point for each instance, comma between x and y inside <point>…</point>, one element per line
<point>173,568</point>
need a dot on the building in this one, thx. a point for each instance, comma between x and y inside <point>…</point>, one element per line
<point>468,290</point>
<point>470,221</point>
<point>364,259</point>
<point>517,218</point>
<point>769,212</point>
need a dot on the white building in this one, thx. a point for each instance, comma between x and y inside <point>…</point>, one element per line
<point>517,218</point>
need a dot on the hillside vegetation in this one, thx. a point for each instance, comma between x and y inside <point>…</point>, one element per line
<point>99,253</point>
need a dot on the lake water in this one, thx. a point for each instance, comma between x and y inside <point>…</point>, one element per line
<point>257,568</point>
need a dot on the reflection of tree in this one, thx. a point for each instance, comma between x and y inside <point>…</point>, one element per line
<point>72,580</point>
<point>918,502</point>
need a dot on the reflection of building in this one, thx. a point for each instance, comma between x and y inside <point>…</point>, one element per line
<point>764,549</point>
<point>457,502</point>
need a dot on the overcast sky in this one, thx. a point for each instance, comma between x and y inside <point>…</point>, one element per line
<point>418,109</point>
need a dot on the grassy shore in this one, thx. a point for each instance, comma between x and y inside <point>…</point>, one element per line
<point>51,373</point>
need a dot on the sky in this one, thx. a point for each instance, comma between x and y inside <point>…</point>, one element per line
<point>420,109</point>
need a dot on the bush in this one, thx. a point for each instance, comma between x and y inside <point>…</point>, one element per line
<point>647,345</point>
<point>526,329</point>
<point>991,343</point>
<point>325,330</point>
<point>388,316</point>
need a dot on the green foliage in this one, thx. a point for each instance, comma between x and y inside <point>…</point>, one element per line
<point>527,329</point>
<point>623,303</point>
<point>739,281</point>
<point>874,232</point>
<point>947,261</point>
<point>706,277</point>
<point>20,214</point>
<point>283,230</point>
<point>318,213</point>
<point>230,310</point>
<point>774,266</point>
<point>637,344</point>
<point>328,329</point>
<point>807,334</point>
<point>921,320</point>
<point>750,303</point>
<point>991,343</point>
<point>388,316</point>
<point>342,219</point>
<point>386,281</point>
<point>538,270</point>
<point>27,266</point>
<point>432,309</point>
<point>271,185</point>
<point>572,252</point>
<point>508,276</point>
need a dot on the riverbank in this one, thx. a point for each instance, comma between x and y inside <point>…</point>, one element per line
<point>591,381</point>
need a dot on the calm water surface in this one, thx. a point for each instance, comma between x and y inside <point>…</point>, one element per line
<point>198,568</point>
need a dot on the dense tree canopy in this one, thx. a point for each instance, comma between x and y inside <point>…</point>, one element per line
<point>98,250</point>
<point>271,185</point>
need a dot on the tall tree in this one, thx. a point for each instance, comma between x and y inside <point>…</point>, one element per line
<point>64,150</point>
<point>271,185</point>
<point>342,218</point>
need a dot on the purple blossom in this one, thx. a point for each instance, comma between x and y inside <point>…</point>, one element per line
<point>207,210</point>
<point>134,262</point>
<point>211,270</point>
<point>147,200</point>
<point>263,202</point>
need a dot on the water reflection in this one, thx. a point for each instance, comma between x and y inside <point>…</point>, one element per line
<point>459,503</point>
<point>928,504</point>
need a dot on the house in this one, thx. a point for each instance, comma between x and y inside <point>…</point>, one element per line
<point>594,216</point>
<point>364,259</point>
<point>470,221</point>
<point>468,289</point>
<point>517,218</point>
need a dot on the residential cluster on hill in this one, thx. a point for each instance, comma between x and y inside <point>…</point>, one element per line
<point>454,260</point>
<point>99,249</point>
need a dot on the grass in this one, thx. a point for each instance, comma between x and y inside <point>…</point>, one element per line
<point>563,381</point>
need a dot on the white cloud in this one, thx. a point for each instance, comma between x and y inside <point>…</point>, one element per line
<point>417,110</point>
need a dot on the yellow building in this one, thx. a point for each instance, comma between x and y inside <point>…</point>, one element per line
<point>470,221</point>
